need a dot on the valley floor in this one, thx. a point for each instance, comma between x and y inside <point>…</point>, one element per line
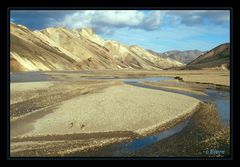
<point>66,114</point>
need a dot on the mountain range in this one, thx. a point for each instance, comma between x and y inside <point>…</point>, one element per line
<point>58,48</point>
<point>183,56</point>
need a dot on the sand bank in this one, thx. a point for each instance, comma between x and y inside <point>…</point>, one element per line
<point>118,108</point>
<point>115,113</point>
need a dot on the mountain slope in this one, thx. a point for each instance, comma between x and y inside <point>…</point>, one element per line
<point>217,57</point>
<point>30,53</point>
<point>62,49</point>
<point>183,56</point>
<point>151,58</point>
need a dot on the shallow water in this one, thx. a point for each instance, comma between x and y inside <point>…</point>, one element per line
<point>145,79</point>
<point>222,101</point>
<point>29,77</point>
<point>123,149</point>
<point>219,97</point>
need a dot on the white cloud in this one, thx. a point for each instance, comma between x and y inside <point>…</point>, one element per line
<point>119,18</point>
<point>105,21</point>
<point>152,21</point>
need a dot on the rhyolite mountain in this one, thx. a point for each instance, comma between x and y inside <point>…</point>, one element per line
<point>58,48</point>
<point>183,56</point>
<point>218,57</point>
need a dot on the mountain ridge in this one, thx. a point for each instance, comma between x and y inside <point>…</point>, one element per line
<point>185,56</point>
<point>58,48</point>
<point>218,57</point>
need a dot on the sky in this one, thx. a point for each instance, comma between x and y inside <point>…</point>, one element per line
<point>158,30</point>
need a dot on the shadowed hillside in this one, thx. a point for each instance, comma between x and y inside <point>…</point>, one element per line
<point>219,57</point>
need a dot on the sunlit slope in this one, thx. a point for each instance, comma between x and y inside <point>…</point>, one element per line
<point>58,48</point>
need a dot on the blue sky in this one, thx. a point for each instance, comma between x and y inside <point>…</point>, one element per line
<point>158,30</point>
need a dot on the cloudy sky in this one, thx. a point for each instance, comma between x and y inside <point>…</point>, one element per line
<point>159,30</point>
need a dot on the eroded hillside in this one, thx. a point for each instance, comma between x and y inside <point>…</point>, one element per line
<point>58,48</point>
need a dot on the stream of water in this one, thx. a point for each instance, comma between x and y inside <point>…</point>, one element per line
<point>219,97</point>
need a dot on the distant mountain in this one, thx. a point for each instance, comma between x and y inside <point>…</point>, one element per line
<point>58,48</point>
<point>218,57</point>
<point>183,56</point>
<point>155,53</point>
